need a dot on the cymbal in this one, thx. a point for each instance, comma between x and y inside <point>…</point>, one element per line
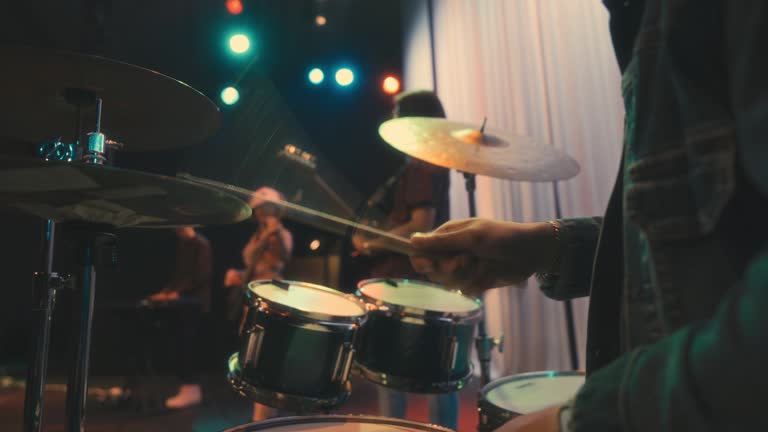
<point>463,147</point>
<point>143,109</point>
<point>68,192</point>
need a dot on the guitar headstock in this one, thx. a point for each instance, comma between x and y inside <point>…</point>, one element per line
<point>295,154</point>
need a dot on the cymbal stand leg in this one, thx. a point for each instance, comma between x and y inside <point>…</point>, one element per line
<point>44,288</point>
<point>483,343</point>
<point>95,248</point>
<point>570,326</point>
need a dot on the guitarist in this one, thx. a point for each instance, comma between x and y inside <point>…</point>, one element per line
<point>265,256</point>
<point>415,200</point>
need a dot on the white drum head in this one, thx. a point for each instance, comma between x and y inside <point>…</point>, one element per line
<point>419,295</point>
<point>338,424</point>
<point>527,393</point>
<point>308,298</point>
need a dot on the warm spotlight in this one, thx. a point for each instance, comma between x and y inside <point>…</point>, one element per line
<point>320,20</point>
<point>235,7</point>
<point>390,85</point>
<point>314,245</point>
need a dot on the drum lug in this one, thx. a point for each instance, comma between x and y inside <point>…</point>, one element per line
<point>343,363</point>
<point>254,336</point>
<point>449,361</point>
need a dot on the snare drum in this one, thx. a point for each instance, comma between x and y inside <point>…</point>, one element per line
<point>297,345</point>
<point>337,423</point>
<point>418,337</point>
<point>506,398</point>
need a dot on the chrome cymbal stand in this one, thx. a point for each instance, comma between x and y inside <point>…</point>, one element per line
<point>483,343</point>
<point>96,247</point>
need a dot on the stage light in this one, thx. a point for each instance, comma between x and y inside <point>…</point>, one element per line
<point>345,77</point>
<point>390,85</point>
<point>235,7</point>
<point>239,43</point>
<point>230,95</point>
<point>314,245</point>
<point>320,20</point>
<point>316,76</point>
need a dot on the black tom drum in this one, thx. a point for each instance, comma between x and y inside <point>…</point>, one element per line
<point>297,345</point>
<point>418,336</point>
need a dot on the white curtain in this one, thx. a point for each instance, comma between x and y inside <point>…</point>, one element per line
<point>542,68</point>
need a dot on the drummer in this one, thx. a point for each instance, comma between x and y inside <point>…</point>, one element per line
<point>265,257</point>
<point>418,202</point>
<point>676,270</point>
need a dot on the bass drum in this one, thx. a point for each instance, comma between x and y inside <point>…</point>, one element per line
<point>338,423</point>
<point>506,398</point>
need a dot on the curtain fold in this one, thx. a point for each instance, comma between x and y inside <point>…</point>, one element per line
<point>542,68</point>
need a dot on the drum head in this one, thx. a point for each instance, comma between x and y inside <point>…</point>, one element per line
<point>418,295</point>
<point>308,298</point>
<point>338,424</point>
<point>527,393</point>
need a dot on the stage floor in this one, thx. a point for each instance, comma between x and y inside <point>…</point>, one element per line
<point>221,409</point>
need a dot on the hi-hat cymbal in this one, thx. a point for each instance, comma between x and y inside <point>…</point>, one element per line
<point>463,147</point>
<point>143,109</point>
<point>68,192</point>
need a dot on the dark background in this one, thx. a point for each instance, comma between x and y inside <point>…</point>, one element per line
<point>186,39</point>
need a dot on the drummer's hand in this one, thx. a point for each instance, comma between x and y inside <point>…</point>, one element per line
<point>478,254</point>
<point>547,420</point>
<point>233,278</point>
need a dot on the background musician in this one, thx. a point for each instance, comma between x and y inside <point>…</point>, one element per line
<point>265,256</point>
<point>187,297</point>
<point>418,200</point>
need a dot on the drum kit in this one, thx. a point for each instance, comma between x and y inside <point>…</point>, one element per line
<point>300,342</point>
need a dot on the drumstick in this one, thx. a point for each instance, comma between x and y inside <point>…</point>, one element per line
<point>392,242</point>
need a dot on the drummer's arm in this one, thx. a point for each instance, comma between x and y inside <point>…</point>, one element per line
<point>706,375</point>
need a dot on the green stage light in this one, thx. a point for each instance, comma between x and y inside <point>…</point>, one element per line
<point>230,96</point>
<point>239,43</point>
<point>316,76</point>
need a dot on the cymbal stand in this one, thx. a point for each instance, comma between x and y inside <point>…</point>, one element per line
<point>570,327</point>
<point>483,343</point>
<point>96,247</point>
<point>44,289</point>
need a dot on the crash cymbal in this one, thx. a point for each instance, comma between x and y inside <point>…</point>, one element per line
<point>68,192</point>
<point>143,109</point>
<point>463,147</point>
